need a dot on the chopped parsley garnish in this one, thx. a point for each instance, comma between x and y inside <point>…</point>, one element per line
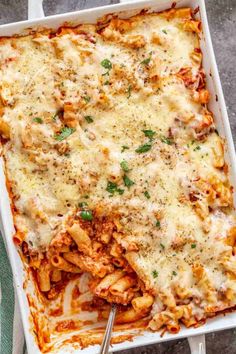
<point>193,245</point>
<point>87,99</point>
<point>147,195</point>
<point>174,273</point>
<point>86,196</point>
<point>149,133</point>
<point>112,188</point>
<point>124,147</point>
<point>106,82</point>
<point>82,204</point>
<point>64,133</point>
<point>127,181</point>
<point>38,120</point>
<point>166,140</point>
<point>162,246</point>
<point>143,148</point>
<point>147,60</point>
<point>89,119</point>
<point>86,215</point>
<point>158,224</point>
<point>129,91</point>
<point>164,31</point>
<point>197,148</point>
<point>154,274</point>
<point>106,64</point>
<point>124,166</point>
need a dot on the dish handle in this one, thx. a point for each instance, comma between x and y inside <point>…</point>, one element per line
<point>197,344</point>
<point>35,9</point>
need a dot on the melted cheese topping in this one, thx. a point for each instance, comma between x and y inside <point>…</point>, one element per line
<point>112,107</point>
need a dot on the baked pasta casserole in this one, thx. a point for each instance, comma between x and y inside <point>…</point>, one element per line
<point>116,171</point>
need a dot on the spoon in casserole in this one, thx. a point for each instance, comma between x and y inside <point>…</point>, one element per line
<point>107,336</point>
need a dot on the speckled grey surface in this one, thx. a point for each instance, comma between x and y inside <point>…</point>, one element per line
<point>222,21</point>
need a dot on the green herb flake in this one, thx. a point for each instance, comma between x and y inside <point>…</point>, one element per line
<point>166,140</point>
<point>64,133</point>
<point>112,188</point>
<point>89,119</point>
<point>86,215</point>
<point>146,61</point>
<point>147,195</point>
<point>143,148</point>
<point>149,133</point>
<point>106,82</point>
<point>129,89</point>
<point>124,166</point>
<point>158,224</point>
<point>164,31</point>
<point>154,274</point>
<point>124,147</point>
<point>120,191</point>
<point>174,273</point>
<point>87,99</point>
<point>197,148</point>
<point>106,64</point>
<point>162,246</point>
<point>193,245</point>
<point>82,204</point>
<point>127,181</point>
<point>38,120</point>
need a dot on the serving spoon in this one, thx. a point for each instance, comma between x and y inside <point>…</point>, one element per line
<point>107,335</point>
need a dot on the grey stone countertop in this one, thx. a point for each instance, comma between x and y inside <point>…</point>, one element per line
<point>222,21</point>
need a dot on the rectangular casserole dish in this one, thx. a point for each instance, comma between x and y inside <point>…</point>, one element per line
<point>216,105</point>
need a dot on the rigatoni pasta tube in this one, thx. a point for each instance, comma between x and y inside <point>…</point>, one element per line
<point>129,316</point>
<point>87,264</point>
<point>43,275</point>
<point>109,280</point>
<point>122,284</point>
<point>56,275</point>
<point>60,263</point>
<point>142,303</point>
<point>81,238</point>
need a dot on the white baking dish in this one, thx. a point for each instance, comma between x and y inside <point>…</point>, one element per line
<point>217,105</point>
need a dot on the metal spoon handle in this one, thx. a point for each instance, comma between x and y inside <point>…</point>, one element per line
<point>107,336</point>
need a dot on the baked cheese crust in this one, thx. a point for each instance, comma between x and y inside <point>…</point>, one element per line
<point>108,124</point>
